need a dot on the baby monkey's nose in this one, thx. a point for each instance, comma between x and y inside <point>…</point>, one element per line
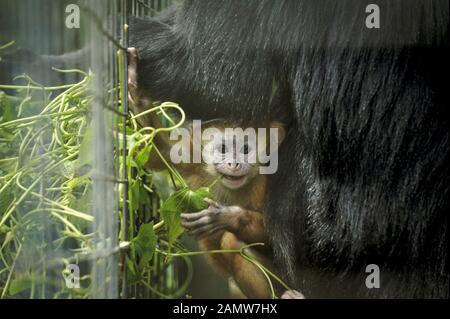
<point>233,165</point>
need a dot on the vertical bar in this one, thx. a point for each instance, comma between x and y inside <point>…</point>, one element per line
<point>104,270</point>
<point>124,99</point>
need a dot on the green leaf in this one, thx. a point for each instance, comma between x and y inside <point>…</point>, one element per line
<point>170,210</point>
<point>18,285</point>
<point>4,229</point>
<point>85,153</point>
<point>130,265</point>
<point>196,201</point>
<point>181,201</point>
<point>161,184</point>
<point>7,111</point>
<point>135,188</point>
<point>131,137</point>
<point>68,169</point>
<point>6,198</point>
<point>144,245</point>
<point>142,156</point>
<point>8,237</point>
<point>79,181</point>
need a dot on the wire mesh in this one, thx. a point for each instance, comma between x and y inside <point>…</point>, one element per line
<point>37,255</point>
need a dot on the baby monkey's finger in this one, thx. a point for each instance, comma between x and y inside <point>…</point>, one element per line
<point>196,223</point>
<point>194,216</point>
<point>211,202</point>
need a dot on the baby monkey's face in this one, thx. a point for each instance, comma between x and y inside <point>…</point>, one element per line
<point>231,156</point>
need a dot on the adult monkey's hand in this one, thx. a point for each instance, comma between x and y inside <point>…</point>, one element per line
<point>138,101</point>
<point>292,294</point>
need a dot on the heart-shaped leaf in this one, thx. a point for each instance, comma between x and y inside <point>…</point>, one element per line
<point>181,201</point>
<point>144,245</point>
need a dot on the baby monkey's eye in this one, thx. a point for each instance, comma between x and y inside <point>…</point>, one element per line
<point>222,148</point>
<point>245,149</point>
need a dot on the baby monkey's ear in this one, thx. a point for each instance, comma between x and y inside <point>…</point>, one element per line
<point>132,59</point>
<point>281,130</point>
<point>271,140</point>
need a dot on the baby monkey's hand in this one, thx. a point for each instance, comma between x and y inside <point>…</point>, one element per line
<point>210,220</point>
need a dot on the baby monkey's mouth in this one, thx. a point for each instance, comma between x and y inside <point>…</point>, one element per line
<point>233,181</point>
<point>232,177</point>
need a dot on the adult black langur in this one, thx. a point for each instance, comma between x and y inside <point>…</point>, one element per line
<point>363,171</point>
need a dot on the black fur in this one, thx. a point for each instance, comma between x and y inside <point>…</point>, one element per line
<point>363,174</point>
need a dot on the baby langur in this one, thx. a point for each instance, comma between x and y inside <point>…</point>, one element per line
<point>235,218</point>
